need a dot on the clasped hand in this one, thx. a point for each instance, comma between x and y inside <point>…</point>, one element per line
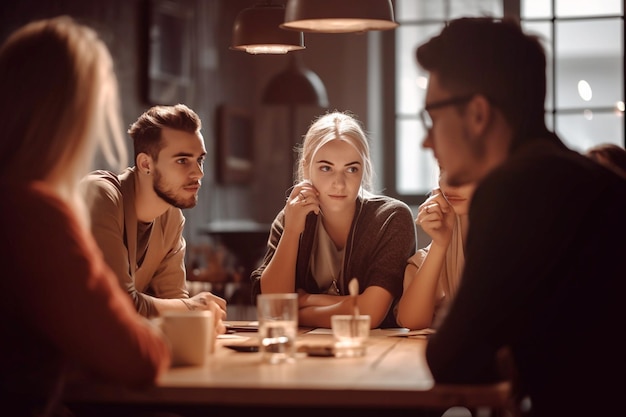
<point>302,200</point>
<point>436,217</point>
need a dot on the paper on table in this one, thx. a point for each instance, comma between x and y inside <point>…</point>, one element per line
<point>320,330</point>
<point>411,333</point>
<point>396,332</point>
<point>232,336</point>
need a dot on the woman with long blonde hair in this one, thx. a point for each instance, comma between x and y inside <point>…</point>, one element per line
<point>333,228</point>
<point>61,305</point>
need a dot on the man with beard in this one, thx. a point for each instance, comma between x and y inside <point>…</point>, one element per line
<point>136,216</point>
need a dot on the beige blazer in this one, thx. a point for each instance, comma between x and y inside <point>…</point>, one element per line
<point>111,202</point>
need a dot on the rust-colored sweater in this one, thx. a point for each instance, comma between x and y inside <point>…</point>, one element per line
<point>62,307</point>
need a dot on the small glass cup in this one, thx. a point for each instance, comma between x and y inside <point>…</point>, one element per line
<point>278,327</point>
<point>351,334</point>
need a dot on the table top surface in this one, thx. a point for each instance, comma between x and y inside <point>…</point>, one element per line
<point>393,372</point>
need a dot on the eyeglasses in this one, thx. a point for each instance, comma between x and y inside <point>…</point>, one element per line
<point>427,121</point>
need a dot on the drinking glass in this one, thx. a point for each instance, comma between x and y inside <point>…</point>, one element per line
<point>351,333</point>
<point>278,327</point>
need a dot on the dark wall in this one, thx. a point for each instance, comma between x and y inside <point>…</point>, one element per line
<point>112,19</point>
<point>220,76</point>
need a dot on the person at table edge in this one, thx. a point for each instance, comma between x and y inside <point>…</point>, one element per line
<point>544,275</point>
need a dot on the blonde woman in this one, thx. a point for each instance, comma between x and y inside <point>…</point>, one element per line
<point>61,307</point>
<point>333,229</point>
<point>432,276</point>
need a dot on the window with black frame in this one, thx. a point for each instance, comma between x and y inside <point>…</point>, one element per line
<point>584,41</point>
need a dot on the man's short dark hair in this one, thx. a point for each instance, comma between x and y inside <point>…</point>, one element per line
<point>146,131</point>
<point>494,58</point>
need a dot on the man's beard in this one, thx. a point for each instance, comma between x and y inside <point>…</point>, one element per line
<point>170,197</point>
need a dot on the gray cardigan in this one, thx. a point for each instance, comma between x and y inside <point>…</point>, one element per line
<point>381,240</point>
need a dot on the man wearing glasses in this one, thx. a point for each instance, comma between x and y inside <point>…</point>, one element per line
<point>545,269</point>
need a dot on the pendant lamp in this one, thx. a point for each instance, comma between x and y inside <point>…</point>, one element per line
<point>296,84</point>
<point>256,31</point>
<point>338,16</point>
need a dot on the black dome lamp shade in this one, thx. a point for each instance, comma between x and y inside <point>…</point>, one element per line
<point>339,16</point>
<point>296,85</point>
<point>257,31</point>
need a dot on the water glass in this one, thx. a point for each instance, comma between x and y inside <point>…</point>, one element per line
<point>278,327</point>
<point>351,334</point>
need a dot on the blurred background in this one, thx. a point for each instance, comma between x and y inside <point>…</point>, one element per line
<point>171,51</point>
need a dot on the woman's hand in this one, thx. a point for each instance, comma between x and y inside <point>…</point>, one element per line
<point>301,201</point>
<point>436,217</point>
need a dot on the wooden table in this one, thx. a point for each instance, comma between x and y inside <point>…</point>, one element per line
<point>393,375</point>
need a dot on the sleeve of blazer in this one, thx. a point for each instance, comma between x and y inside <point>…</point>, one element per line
<point>105,202</point>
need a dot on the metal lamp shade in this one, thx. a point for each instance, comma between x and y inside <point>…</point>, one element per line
<point>339,16</point>
<point>257,31</point>
<point>296,85</point>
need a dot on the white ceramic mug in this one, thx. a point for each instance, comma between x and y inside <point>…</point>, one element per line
<point>191,335</point>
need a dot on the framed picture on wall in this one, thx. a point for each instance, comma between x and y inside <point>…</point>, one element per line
<point>171,43</point>
<point>235,145</point>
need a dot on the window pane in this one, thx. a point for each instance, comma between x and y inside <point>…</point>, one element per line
<point>416,168</point>
<point>589,65</point>
<point>419,10</point>
<point>585,73</point>
<point>570,8</point>
<point>414,10</point>
<point>543,31</point>
<point>410,79</point>
<point>460,8</point>
<point>532,9</point>
<point>585,129</point>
